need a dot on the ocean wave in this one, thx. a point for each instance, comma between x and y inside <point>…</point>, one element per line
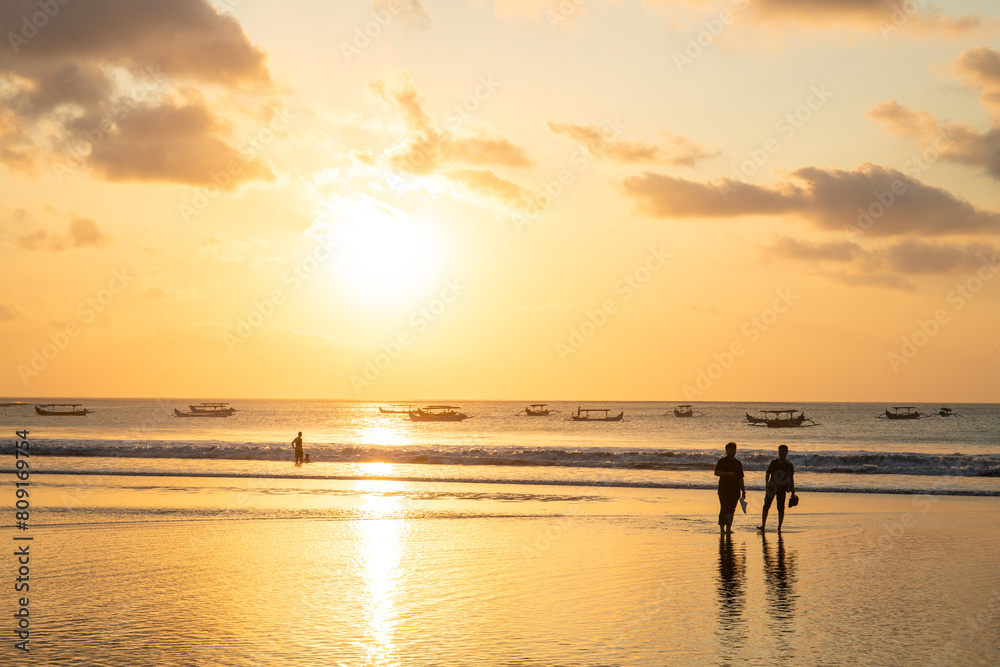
<point>854,463</point>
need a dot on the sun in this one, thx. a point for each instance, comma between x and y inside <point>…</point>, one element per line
<point>382,255</point>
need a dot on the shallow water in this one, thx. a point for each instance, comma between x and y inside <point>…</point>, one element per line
<point>168,571</point>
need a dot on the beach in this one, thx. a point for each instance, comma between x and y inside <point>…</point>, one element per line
<point>175,570</point>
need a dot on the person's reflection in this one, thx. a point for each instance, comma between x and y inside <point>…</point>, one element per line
<point>732,578</point>
<point>779,573</point>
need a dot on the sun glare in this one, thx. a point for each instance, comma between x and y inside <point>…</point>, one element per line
<point>382,255</point>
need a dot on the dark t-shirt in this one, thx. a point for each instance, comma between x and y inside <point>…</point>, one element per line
<point>781,474</point>
<point>729,485</point>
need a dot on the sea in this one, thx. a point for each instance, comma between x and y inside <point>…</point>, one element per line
<point>501,540</point>
<point>843,447</point>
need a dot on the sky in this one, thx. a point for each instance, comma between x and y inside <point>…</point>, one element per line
<point>676,200</point>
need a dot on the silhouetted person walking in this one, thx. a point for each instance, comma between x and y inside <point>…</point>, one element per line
<point>730,473</point>
<point>778,480</point>
<point>297,444</point>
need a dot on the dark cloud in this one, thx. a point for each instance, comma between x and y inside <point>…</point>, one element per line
<point>95,73</point>
<point>184,38</point>
<point>184,144</point>
<point>875,200</point>
<point>674,150</point>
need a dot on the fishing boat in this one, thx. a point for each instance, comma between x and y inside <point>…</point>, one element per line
<point>908,412</point>
<point>60,410</point>
<point>687,411</point>
<point>394,411</point>
<point>592,415</point>
<point>783,418</point>
<point>206,410</point>
<point>537,410</point>
<point>438,413</point>
<point>947,412</point>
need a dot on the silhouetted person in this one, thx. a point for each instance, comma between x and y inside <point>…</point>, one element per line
<point>306,459</point>
<point>778,480</point>
<point>730,473</point>
<point>297,444</point>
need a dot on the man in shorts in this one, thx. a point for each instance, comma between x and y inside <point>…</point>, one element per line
<point>778,480</point>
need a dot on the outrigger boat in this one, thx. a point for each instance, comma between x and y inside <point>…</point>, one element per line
<point>393,411</point>
<point>438,413</point>
<point>784,418</point>
<point>536,410</point>
<point>584,415</point>
<point>206,410</point>
<point>686,411</point>
<point>53,410</point>
<point>947,412</point>
<point>908,412</point>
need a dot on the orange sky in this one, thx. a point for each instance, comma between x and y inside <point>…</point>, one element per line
<point>522,199</point>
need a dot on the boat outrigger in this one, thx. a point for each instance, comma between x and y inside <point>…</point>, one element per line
<point>438,413</point>
<point>206,410</point>
<point>908,412</point>
<point>584,415</point>
<point>686,411</point>
<point>59,410</point>
<point>536,410</point>
<point>784,418</point>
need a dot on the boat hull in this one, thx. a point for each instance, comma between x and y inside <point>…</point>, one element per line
<point>220,413</point>
<point>616,418</point>
<point>895,415</point>
<point>426,417</point>
<point>61,413</point>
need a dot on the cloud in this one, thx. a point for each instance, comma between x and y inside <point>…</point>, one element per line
<point>885,17</point>
<point>9,313</point>
<point>674,150</point>
<point>883,266</point>
<point>82,233</point>
<point>179,143</point>
<point>955,142</point>
<point>464,158</point>
<point>876,200</point>
<point>413,11</point>
<point>980,67</point>
<point>101,79</point>
<point>836,251</point>
<point>486,183</point>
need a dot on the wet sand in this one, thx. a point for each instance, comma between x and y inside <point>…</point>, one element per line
<point>178,571</point>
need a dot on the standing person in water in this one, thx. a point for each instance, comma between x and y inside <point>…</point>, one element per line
<point>778,480</point>
<point>729,470</point>
<point>297,444</point>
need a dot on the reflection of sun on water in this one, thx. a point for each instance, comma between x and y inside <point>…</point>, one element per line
<point>381,544</point>
<point>383,435</point>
